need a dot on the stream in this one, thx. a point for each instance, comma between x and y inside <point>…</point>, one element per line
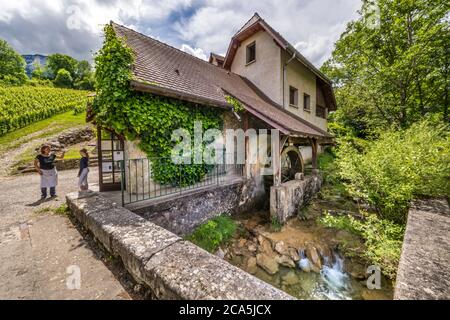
<point>304,258</point>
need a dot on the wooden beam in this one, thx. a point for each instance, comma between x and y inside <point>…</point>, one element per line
<point>245,125</point>
<point>276,164</point>
<point>283,142</point>
<point>314,148</point>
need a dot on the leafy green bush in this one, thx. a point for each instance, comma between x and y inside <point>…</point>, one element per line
<point>327,165</point>
<point>63,79</point>
<point>237,105</point>
<point>213,233</point>
<point>398,167</point>
<point>275,224</point>
<point>383,238</point>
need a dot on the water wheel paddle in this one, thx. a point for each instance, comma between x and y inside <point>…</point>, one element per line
<point>291,163</point>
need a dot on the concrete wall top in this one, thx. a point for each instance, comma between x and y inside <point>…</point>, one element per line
<point>423,272</point>
<point>171,267</point>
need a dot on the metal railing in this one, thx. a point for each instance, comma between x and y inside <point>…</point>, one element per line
<point>139,180</point>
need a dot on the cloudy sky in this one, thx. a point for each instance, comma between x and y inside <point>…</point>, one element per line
<point>196,26</point>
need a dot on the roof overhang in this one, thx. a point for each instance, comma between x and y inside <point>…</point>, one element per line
<point>280,126</point>
<point>170,93</point>
<point>166,92</point>
<point>213,56</point>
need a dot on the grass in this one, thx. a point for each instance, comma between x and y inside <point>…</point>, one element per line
<point>48,127</point>
<point>275,225</point>
<point>212,234</point>
<point>62,210</point>
<point>74,153</point>
<point>44,210</point>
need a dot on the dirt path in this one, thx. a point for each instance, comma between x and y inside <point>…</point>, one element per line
<point>10,156</point>
<point>37,246</point>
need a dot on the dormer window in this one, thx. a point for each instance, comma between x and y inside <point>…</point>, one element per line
<point>251,53</point>
<point>293,97</point>
<point>306,102</point>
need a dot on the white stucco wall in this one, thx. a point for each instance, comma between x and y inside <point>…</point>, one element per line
<point>300,77</point>
<point>306,153</point>
<point>265,72</point>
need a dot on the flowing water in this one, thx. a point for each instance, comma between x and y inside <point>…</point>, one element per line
<point>332,283</point>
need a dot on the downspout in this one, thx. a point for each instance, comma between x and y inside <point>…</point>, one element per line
<point>284,76</point>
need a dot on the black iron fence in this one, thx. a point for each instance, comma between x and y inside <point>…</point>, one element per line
<point>140,180</point>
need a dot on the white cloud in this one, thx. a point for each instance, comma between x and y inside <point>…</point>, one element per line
<point>315,24</point>
<point>197,52</point>
<point>200,26</point>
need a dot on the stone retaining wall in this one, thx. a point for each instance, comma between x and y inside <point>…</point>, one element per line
<point>171,267</point>
<point>286,199</point>
<point>183,213</point>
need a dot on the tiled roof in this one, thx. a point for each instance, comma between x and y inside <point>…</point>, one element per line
<point>165,70</point>
<point>216,56</point>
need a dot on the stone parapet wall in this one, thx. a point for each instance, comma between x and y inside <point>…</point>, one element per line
<point>424,268</point>
<point>286,199</point>
<point>169,266</point>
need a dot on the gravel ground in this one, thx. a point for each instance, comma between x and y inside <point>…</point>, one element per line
<point>9,158</point>
<point>41,251</point>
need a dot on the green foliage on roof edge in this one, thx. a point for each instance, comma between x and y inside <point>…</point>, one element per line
<point>149,118</point>
<point>235,103</point>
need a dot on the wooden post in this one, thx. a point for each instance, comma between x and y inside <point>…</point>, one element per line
<point>247,156</point>
<point>99,157</point>
<point>314,148</point>
<point>276,163</point>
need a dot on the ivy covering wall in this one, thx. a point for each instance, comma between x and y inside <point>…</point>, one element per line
<point>149,118</point>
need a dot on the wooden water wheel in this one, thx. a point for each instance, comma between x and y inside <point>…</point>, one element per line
<point>291,163</point>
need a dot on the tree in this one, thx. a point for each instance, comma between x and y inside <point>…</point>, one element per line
<point>12,65</point>
<point>38,71</point>
<point>63,79</point>
<point>83,70</point>
<point>84,78</point>
<point>58,61</point>
<point>398,167</point>
<point>395,71</point>
<point>87,83</point>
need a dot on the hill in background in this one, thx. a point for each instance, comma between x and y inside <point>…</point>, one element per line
<point>32,60</point>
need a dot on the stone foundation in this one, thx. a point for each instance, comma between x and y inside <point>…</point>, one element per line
<point>286,199</point>
<point>183,213</point>
<point>169,266</point>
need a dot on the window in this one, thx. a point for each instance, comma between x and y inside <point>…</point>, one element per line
<point>251,52</point>
<point>321,112</point>
<point>293,97</point>
<point>306,102</point>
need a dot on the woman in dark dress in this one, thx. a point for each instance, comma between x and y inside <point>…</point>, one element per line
<point>45,166</point>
